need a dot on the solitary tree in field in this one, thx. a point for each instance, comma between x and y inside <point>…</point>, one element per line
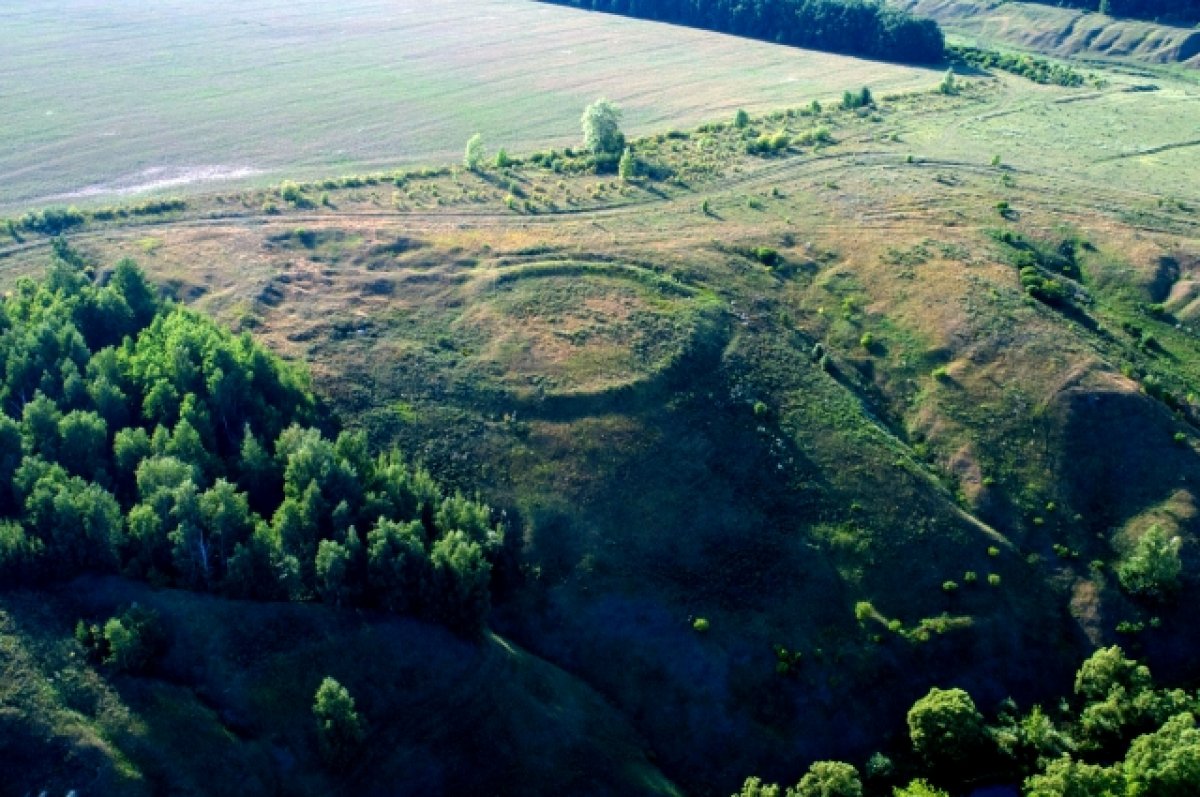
<point>340,730</point>
<point>474,154</point>
<point>601,128</point>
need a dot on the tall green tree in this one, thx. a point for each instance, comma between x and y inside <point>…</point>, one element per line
<point>473,157</point>
<point>601,124</point>
<point>947,731</point>
<point>829,779</point>
<point>340,730</point>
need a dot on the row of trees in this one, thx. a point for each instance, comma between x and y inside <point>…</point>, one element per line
<point>1120,737</point>
<point>1186,11</point>
<point>143,437</point>
<point>859,27</point>
<point>603,144</point>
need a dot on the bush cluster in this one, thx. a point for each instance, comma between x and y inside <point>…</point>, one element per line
<point>1039,70</point>
<point>1119,735</point>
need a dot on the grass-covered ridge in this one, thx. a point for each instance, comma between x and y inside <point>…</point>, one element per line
<point>142,437</point>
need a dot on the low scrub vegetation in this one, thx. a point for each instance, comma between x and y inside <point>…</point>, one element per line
<point>1039,70</point>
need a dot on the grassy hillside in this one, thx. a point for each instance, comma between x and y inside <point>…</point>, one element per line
<point>889,406</point>
<point>1064,32</point>
<point>228,710</point>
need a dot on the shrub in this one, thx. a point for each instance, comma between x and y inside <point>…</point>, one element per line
<point>627,166</point>
<point>815,136</point>
<point>947,730</point>
<point>1064,777</point>
<point>701,624</point>
<point>1152,568</point>
<point>20,553</point>
<point>993,579</point>
<point>919,788</point>
<point>854,100</point>
<point>754,787</point>
<point>741,119</point>
<point>291,192</point>
<point>52,221</point>
<point>948,84</point>
<point>767,256</point>
<point>130,642</point>
<point>1166,763</point>
<point>829,779</point>
<point>879,766</point>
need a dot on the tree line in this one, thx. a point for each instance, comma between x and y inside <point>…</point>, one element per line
<point>1181,11</point>
<point>857,27</point>
<point>138,436</point>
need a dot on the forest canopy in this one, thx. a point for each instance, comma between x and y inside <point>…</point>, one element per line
<point>1183,11</point>
<point>858,27</point>
<point>141,437</point>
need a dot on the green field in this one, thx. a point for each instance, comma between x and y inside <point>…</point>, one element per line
<point>103,101</point>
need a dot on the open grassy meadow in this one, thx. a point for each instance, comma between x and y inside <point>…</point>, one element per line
<point>106,100</point>
<point>807,416</point>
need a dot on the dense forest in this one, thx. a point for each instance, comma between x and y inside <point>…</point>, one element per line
<point>858,27</point>
<point>1183,11</point>
<point>138,436</point>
